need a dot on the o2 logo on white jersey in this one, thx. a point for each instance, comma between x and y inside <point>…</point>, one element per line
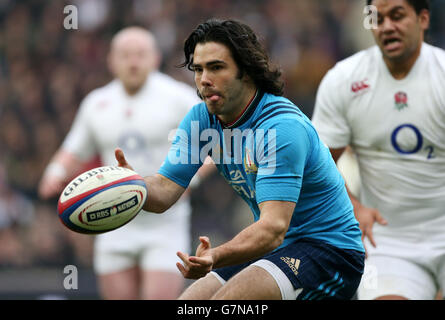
<point>134,144</point>
<point>412,130</point>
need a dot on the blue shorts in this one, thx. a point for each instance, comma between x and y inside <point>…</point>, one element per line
<point>321,270</point>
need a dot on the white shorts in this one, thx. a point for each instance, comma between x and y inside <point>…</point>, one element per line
<point>414,271</point>
<point>149,241</point>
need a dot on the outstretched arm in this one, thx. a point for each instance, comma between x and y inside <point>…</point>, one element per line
<point>162,192</point>
<point>63,166</point>
<point>252,242</point>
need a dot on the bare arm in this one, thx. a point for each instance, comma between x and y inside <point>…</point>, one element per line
<point>336,154</point>
<point>207,168</point>
<point>252,242</point>
<point>62,167</point>
<point>162,192</point>
<point>364,215</point>
<point>260,237</point>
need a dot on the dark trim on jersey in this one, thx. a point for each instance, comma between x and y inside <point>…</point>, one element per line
<point>230,124</point>
<point>278,102</point>
<point>211,117</point>
<point>248,111</point>
<point>281,104</point>
<point>273,115</point>
<point>270,112</point>
<point>281,107</point>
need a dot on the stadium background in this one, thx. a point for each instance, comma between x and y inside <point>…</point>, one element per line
<point>45,71</point>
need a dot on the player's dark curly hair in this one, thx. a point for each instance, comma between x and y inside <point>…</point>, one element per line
<point>249,55</point>
<point>418,5</point>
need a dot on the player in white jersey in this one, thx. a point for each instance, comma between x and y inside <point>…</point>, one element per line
<point>388,104</point>
<point>136,112</point>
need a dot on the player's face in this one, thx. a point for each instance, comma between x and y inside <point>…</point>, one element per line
<point>218,82</point>
<point>400,29</point>
<point>131,60</point>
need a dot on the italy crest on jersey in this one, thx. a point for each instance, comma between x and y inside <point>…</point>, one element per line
<point>401,100</point>
<point>249,163</point>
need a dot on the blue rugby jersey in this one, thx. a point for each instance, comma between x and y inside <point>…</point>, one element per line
<point>272,152</point>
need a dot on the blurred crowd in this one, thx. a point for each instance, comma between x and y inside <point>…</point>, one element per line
<point>46,70</point>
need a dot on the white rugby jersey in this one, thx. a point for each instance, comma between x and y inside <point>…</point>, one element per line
<point>108,118</point>
<point>396,128</point>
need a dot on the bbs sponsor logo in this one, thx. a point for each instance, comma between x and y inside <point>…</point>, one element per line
<point>112,211</point>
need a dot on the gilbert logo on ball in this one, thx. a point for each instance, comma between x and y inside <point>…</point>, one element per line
<point>102,199</point>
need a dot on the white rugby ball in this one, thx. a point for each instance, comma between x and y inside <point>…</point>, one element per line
<point>102,199</point>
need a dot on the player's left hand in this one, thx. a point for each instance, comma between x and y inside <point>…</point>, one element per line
<point>195,267</point>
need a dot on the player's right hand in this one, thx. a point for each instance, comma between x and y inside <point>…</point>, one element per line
<point>50,186</point>
<point>120,157</point>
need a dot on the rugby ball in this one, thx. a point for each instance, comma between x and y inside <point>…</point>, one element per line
<point>102,199</point>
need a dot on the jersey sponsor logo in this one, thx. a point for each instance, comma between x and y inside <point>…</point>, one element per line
<point>293,264</point>
<point>407,139</point>
<point>401,100</point>
<point>239,183</point>
<point>135,145</point>
<point>360,86</point>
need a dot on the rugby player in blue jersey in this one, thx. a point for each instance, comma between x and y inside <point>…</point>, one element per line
<point>305,242</point>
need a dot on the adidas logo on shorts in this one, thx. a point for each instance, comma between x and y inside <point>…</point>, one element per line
<point>292,263</point>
